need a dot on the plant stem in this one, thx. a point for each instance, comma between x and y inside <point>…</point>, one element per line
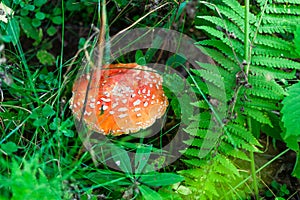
<point>247,59</point>
<point>252,162</point>
<point>246,36</point>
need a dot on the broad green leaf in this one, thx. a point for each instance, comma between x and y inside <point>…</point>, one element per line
<point>57,20</point>
<point>9,147</point>
<point>291,116</point>
<point>28,29</point>
<point>48,111</point>
<point>51,30</point>
<point>160,179</point>
<point>139,58</point>
<point>39,3</point>
<point>122,160</point>
<point>141,158</point>
<point>28,7</point>
<point>40,122</point>
<point>296,170</point>
<point>36,22</point>
<point>40,15</point>
<point>148,193</point>
<point>45,57</point>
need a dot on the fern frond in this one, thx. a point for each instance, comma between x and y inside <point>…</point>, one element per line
<point>224,48</point>
<point>274,28</point>
<point>263,92</point>
<point>242,132</point>
<point>236,6</point>
<point>262,104</point>
<point>258,116</point>
<point>274,42</point>
<point>221,59</point>
<point>212,31</point>
<point>288,1</point>
<point>226,25</point>
<point>266,82</point>
<point>275,62</point>
<point>283,9</point>
<point>273,73</point>
<point>229,150</point>
<point>216,79</point>
<point>285,20</point>
<point>269,52</point>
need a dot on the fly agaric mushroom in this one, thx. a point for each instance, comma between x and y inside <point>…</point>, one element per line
<point>122,98</point>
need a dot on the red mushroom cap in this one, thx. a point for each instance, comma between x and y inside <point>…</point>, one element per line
<point>122,98</point>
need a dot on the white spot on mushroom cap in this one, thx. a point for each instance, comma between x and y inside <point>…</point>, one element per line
<point>137,102</point>
<point>104,107</point>
<point>123,115</point>
<point>115,105</point>
<point>123,109</point>
<point>136,109</point>
<point>105,100</point>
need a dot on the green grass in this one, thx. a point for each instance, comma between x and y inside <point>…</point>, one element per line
<point>41,153</point>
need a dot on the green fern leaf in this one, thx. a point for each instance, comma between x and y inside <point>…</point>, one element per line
<point>224,48</point>
<point>226,25</point>
<point>273,28</point>
<point>285,20</point>
<point>258,116</point>
<point>262,104</point>
<point>275,62</point>
<point>229,150</point>
<point>291,116</point>
<point>273,73</point>
<point>269,52</point>
<point>194,162</point>
<point>273,42</point>
<point>283,9</point>
<point>288,1</point>
<point>216,79</point>
<point>242,132</point>
<point>221,59</point>
<point>212,31</point>
<point>263,92</point>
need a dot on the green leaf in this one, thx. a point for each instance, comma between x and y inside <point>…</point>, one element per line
<point>36,22</point>
<point>291,113</point>
<point>9,147</point>
<point>296,170</point>
<point>45,58</point>
<point>141,157</point>
<point>139,58</point>
<point>29,7</point>
<point>160,179</point>
<point>39,3</point>
<point>57,20</point>
<point>122,160</point>
<point>51,30</point>
<point>73,5</point>
<point>29,30</point>
<point>40,15</point>
<point>148,193</point>
<point>40,122</point>
<point>176,60</point>
<point>54,125</point>
<point>48,111</point>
